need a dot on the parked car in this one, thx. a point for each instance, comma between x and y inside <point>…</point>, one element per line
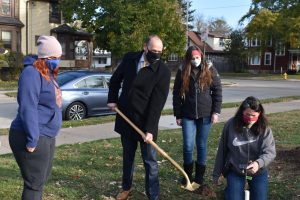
<point>84,94</point>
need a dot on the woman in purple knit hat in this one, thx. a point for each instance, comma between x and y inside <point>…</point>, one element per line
<point>32,133</point>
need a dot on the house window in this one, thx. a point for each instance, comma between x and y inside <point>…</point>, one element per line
<point>268,57</point>
<point>280,50</point>
<point>255,59</point>
<point>102,60</point>
<point>221,42</point>
<point>6,39</point>
<point>173,57</point>
<point>269,42</point>
<point>36,37</point>
<point>81,50</point>
<point>255,42</point>
<point>54,13</point>
<point>5,7</point>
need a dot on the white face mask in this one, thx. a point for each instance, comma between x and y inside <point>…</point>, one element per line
<point>196,62</point>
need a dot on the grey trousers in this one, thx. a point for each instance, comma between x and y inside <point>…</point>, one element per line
<point>35,167</point>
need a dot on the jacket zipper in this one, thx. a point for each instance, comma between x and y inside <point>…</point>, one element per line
<point>196,102</point>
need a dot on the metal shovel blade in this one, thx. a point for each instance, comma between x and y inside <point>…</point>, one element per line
<point>191,186</point>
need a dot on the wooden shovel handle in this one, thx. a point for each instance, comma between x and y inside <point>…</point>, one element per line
<point>161,151</point>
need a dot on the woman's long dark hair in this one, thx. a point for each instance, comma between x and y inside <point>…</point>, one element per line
<point>205,77</point>
<point>253,103</point>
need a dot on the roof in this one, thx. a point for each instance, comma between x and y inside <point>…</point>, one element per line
<point>217,35</point>
<point>11,21</point>
<point>65,29</point>
<point>196,39</point>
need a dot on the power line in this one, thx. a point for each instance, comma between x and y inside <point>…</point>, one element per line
<point>211,8</point>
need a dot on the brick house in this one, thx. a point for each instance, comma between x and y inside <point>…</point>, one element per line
<point>276,58</point>
<point>23,21</point>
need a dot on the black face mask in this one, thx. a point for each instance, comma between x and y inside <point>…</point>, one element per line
<point>152,57</point>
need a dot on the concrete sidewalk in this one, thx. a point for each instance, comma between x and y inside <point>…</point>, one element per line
<point>105,131</point>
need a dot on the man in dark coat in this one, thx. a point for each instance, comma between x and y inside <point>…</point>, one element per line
<point>145,83</point>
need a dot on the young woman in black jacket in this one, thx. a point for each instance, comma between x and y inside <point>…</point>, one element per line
<point>197,99</point>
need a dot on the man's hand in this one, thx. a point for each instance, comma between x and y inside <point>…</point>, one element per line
<point>148,137</point>
<point>216,181</point>
<point>179,122</point>
<point>30,149</point>
<point>112,106</point>
<point>214,118</point>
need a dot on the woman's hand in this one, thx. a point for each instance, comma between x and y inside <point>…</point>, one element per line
<point>214,118</point>
<point>179,122</point>
<point>253,167</point>
<point>30,149</point>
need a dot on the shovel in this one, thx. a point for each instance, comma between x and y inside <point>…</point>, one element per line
<point>189,186</point>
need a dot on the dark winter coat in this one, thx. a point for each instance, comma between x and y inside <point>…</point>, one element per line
<point>197,103</point>
<point>143,94</point>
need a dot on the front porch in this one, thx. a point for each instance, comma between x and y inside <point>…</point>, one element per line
<point>77,47</point>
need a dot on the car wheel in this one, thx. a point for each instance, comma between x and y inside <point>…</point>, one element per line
<point>76,111</point>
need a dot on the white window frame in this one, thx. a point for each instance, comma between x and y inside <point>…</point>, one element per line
<point>7,41</point>
<point>173,57</point>
<point>5,4</point>
<point>255,57</point>
<point>270,58</point>
<point>280,49</point>
<point>269,42</point>
<point>102,60</point>
<point>221,42</point>
<point>255,42</point>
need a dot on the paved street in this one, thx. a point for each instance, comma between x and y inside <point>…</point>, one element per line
<point>237,90</point>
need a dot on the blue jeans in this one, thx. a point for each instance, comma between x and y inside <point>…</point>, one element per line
<point>236,185</point>
<point>191,129</point>
<point>150,164</point>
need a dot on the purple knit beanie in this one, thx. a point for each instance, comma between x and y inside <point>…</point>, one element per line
<point>48,46</point>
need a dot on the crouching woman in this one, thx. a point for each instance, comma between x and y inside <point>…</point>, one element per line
<point>246,149</point>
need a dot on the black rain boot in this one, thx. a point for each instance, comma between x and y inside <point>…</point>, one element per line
<point>189,171</point>
<point>199,176</point>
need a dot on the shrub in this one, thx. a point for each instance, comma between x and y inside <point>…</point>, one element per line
<point>12,64</point>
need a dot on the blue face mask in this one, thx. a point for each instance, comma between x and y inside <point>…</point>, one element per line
<point>52,64</point>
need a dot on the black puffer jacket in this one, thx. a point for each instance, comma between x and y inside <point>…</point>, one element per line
<point>197,103</point>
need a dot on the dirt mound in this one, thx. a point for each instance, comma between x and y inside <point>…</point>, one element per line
<point>287,160</point>
<point>206,191</point>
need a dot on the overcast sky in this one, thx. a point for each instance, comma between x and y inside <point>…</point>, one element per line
<point>230,10</point>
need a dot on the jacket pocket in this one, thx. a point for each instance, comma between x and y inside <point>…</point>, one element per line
<point>55,121</point>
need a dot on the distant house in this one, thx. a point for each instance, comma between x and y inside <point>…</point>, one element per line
<point>276,58</point>
<point>10,25</point>
<point>22,22</point>
<point>212,48</point>
<point>101,59</point>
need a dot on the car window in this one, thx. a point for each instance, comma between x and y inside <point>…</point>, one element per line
<point>91,82</point>
<point>64,78</point>
<point>81,84</point>
<point>107,80</point>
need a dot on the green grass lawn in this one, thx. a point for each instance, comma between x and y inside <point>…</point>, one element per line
<point>8,85</point>
<point>93,170</point>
